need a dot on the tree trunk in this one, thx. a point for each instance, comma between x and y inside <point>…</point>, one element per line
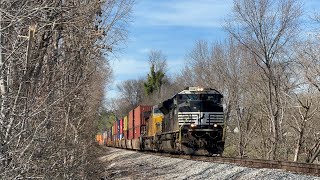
<point>298,146</point>
<point>241,146</point>
<point>3,84</point>
<point>273,113</point>
<point>315,155</point>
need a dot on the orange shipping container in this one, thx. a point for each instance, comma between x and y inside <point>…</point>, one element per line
<point>130,121</point>
<point>139,115</point>
<point>137,132</point>
<point>99,139</point>
<point>125,134</point>
<point>115,126</point>
<point>130,134</point>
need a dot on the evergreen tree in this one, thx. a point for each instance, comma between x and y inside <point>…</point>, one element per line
<point>154,81</point>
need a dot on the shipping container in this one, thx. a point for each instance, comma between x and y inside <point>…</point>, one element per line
<point>140,115</point>
<point>121,129</point>
<point>130,121</point>
<point>125,123</point>
<point>130,134</point>
<point>115,126</point>
<point>125,134</point>
<point>110,135</point>
<point>99,139</point>
<point>104,136</point>
<point>118,128</point>
<point>130,124</point>
<point>137,132</point>
<point>121,126</point>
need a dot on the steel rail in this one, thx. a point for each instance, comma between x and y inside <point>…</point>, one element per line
<point>294,167</point>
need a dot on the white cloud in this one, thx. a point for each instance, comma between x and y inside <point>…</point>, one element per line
<point>201,13</point>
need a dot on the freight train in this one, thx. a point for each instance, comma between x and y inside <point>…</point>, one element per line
<point>191,122</point>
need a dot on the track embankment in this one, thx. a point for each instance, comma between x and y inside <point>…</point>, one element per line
<point>302,168</point>
<point>124,164</point>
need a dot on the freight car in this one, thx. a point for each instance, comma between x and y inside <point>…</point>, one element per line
<point>191,122</point>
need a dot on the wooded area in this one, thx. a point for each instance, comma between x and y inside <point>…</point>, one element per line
<point>54,66</point>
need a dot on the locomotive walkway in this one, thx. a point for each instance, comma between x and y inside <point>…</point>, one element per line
<point>124,164</point>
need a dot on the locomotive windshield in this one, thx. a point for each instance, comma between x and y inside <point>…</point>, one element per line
<point>199,102</point>
<point>156,111</point>
<point>215,98</point>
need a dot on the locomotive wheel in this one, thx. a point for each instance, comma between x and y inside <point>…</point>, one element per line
<point>156,143</point>
<point>187,150</point>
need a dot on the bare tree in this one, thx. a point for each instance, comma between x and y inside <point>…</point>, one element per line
<point>265,28</point>
<point>308,57</point>
<point>132,91</point>
<point>159,60</point>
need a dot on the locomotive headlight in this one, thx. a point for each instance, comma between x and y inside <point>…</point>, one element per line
<point>215,125</point>
<point>193,125</point>
<point>200,89</point>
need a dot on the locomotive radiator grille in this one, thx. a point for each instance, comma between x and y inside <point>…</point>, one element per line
<point>215,117</point>
<point>188,118</point>
<point>200,118</point>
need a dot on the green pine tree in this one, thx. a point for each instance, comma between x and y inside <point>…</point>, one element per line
<point>154,81</point>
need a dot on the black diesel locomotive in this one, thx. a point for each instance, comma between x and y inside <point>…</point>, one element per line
<point>193,122</point>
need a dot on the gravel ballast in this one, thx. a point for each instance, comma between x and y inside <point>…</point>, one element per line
<point>125,164</point>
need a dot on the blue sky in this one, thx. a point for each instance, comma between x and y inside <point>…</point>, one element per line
<point>172,26</point>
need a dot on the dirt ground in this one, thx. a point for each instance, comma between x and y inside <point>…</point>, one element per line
<point>125,164</point>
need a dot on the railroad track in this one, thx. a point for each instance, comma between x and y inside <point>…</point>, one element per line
<point>295,167</point>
